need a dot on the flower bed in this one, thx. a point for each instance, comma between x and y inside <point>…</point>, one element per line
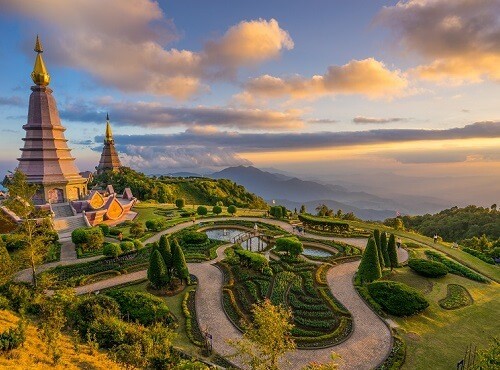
<point>456,297</point>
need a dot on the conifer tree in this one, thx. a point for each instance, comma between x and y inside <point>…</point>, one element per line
<point>385,251</point>
<point>376,236</point>
<point>369,268</point>
<point>157,271</point>
<point>179,262</point>
<point>166,253</point>
<point>392,250</point>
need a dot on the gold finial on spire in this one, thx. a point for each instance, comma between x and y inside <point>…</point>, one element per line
<point>109,133</point>
<point>38,45</point>
<point>40,75</point>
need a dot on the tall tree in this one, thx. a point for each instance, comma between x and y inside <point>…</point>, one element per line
<point>166,253</point>
<point>267,338</point>
<point>157,271</point>
<point>179,262</point>
<point>369,268</point>
<point>302,209</point>
<point>393,252</point>
<point>385,251</point>
<point>376,236</point>
<point>34,231</point>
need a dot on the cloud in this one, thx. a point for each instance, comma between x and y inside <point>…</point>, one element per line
<point>369,120</point>
<point>14,101</point>
<point>247,43</point>
<point>459,39</point>
<point>147,114</point>
<point>165,158</point>
<point>255,142</point>
<point>123,44</point>
<point>367,77</point>
<point>322,120</point>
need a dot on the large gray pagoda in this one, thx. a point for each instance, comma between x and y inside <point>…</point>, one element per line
<point>46,159</point>
<point>109,156</point>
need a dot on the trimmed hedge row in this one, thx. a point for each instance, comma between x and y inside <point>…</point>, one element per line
<point>397,298</point>
<point>324,223</point>
<point>192,330</point>
<point>428,268</point>
<point>480,255</point>
<point>455,267</point>
<point>253,260</point>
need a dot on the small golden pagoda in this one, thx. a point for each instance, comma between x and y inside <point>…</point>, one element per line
<point>109,156</point>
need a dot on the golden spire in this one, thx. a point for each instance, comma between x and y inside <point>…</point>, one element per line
<point>40,76</point>
<point>109,133</point>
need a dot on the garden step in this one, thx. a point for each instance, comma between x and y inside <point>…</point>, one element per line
<point>62,210</point>
<point>66,225</point>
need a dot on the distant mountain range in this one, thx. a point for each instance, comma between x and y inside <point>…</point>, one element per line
<point>292,192</point>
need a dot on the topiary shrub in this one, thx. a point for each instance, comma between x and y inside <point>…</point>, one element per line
<point>369,268</point>
<point>397,298</point>
<point>112,250</point>
<point>187,214</point>
<point>202,211</point>
<point>127,246</point>
<point>291,245</point>
<point>232,210</point>
<point>179,203</point>
<point>217,210</point>
<point>142,307</point>
<point>427,268</point>
<point>156,224</point>
<point>88,238</point>
<point>114,231</point>
<point>138,244</point>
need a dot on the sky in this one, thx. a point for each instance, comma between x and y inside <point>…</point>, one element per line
<point>384,96</point>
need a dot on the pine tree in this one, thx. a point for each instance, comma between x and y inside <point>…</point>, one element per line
<point>392,250</point>
<point>157,271</point>
<point>369,268</point>
<point>385,251</point>
<point>376,236</point>
<point>166,253</point>
<point>179,262</point>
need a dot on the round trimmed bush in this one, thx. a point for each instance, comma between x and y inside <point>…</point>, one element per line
<point>397,298</point>
<point>111,250</point>
<point>217,210</point>
<point>179,203</point>
<point>138,244</point>
<point>428,268</point>
<point>127,246</point>
<point>202,211</point>
<point>232,209</point>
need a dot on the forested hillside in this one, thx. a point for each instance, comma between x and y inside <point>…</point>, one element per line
<point>456,224</point>
<point>194,190</point>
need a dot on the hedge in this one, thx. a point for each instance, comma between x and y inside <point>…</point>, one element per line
<point>397,298</point>
<point>455,267</point>
<point>324,223</point>
<point>192,330</point>
<point>156,224</point>
<point>253,260</point>
<point>479,255</point>
<point>428,268</point>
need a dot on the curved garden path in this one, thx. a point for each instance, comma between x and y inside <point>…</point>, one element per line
<point>367,347</point>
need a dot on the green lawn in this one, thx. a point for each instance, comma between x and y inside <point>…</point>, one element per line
<point>437,338</point>
<point>175,305</point>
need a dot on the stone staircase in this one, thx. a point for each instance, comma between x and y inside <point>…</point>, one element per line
<point>62,210</point>
<point>65,225</point>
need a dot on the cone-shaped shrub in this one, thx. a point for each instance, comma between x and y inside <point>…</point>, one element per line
<point>392,250</point>
<point>376,236</point>
<point>369,268</point>
<point>385,250</point>
<point>157,271</point>
<point>179,262</point>
<point>166,253</point>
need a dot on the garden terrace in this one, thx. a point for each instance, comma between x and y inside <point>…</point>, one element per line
<point>324,224</point>
<point>319,319</point>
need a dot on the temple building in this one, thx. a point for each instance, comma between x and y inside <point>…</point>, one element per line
<point>46,159</point>
<point>109,156</point>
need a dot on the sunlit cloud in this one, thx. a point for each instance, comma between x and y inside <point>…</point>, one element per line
<point>122,44</point>
<point>367,77</point>
<point>459,39</point>
<point>372,120</point>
